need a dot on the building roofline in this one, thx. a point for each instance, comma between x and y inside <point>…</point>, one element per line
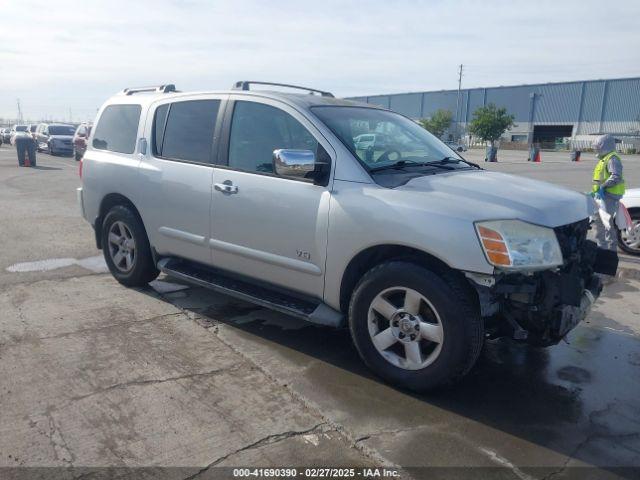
<point>569,82</point>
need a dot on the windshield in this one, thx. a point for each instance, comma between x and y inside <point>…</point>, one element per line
<point>379,137</point>
<point>61,130</point>
<point>21,128</point>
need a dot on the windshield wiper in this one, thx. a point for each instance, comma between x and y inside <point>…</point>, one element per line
<point>408,163</point>
<point>446,160</point>
<point>398,164</point>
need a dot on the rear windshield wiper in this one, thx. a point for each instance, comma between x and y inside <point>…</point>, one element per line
<point>446,160</point>
<point>404,163</point>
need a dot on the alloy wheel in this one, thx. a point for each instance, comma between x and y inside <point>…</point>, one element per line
<point>631,237</point>
<point>405,328</point>
<point>122,246</point>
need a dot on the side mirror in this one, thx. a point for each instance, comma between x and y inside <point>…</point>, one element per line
<point>294,163</point>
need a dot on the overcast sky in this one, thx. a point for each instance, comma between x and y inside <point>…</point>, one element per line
<point>63,58</point>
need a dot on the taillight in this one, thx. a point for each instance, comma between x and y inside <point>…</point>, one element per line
<point>80,168</point>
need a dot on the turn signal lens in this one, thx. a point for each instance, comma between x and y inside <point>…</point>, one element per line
<point>488,233</point>
<point>494,246</point>
<point>499,258</point>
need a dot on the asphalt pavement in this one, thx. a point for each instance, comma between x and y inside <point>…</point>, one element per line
<point>96,375</point>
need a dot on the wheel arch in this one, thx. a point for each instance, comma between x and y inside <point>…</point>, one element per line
<point>375,255</point>
<point>633,209</point>
<point>108,202</point>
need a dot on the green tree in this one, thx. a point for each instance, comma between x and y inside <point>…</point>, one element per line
<point>490,122</point>
<point>438,123</point>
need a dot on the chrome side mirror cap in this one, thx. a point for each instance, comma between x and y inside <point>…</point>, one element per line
<point>294,163</point>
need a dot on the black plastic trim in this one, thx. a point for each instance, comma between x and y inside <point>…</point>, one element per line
<point>244,85</point>
<point>253,291</point>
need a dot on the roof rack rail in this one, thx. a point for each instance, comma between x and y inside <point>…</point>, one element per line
<point>244,85</point>
<point>156,88</point>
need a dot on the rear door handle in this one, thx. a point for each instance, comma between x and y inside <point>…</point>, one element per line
<point>226,187</point>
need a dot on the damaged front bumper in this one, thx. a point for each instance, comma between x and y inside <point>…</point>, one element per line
<point>542,307</point>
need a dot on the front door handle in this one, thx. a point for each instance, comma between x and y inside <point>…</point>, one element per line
<point>226,187</point>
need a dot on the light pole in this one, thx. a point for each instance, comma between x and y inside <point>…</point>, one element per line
<point>457,123</point>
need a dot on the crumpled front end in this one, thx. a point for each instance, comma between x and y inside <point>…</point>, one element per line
<point>542,307</point>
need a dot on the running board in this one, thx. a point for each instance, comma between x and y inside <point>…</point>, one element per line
<point>312,311</point>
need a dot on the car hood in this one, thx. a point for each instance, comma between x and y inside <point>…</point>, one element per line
<point>485,195</point>
<point>631,198</point>
<point>61,137</point>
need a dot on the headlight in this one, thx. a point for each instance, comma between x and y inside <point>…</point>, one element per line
<point>517,245</point>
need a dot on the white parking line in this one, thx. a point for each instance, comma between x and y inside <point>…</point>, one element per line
<point>95,264</point>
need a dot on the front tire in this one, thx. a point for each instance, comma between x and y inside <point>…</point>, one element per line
<point>76,155</point>
<point>630,241</point>
<point>126,248</point>
<point>414,328</point>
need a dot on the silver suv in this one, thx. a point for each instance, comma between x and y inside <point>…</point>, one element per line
<point>267,196</point>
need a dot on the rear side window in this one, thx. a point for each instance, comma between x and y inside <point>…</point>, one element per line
<point>117,129</point>
<point>187,132</point>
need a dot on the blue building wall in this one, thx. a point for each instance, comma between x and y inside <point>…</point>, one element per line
<point>591,106</point>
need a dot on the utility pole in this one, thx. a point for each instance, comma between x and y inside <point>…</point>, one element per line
<point>19,112</point>
<point>458,101</point>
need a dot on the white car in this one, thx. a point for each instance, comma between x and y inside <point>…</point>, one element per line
<point>18,130</point>
<point>629,241</point>
<point>371,140</point>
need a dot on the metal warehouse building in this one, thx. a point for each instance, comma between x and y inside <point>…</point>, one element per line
<point>543,112</point>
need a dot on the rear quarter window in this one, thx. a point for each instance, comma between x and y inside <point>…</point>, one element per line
<point>185,130</point>
<point>117,129</point>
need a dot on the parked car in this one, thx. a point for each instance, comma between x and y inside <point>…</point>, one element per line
<point>629,241</point>
<point>17,130</point>
<point>265,197</point>
<point>55,138</point>
<point>455,146</point>
<point>32,130</point>
<point>377,141</point>
<point>5,133</point>
<point>80,140</point>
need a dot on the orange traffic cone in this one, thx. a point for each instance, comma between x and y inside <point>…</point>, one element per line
<point>537,157</point>
<point>27,162</point>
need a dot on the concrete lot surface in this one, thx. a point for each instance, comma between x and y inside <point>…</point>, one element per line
<point>96,375</point>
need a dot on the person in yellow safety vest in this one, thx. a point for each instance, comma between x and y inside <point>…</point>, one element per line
<point>608,186</point>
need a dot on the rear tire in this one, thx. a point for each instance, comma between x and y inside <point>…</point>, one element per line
<point>126,248</point>
<point>435,312</point>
